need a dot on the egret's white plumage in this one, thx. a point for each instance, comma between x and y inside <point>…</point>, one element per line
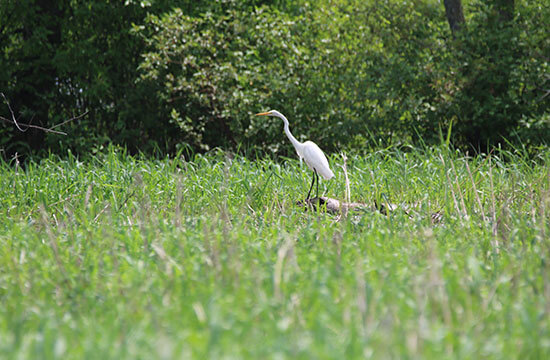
<point>309,151</point>
<point>316,160</point>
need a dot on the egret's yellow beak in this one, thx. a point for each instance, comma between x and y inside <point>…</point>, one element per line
<point>264,113</point>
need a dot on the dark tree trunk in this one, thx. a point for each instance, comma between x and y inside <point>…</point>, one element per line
<point>505,10</point>
<point>455,16</point>
<point>488,85</point>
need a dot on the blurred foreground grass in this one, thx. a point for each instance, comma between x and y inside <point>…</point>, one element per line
<point>122,257</point>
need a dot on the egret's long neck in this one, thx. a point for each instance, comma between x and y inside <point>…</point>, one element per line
<point>296,143</point>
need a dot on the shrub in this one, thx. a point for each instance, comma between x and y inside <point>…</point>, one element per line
<point>212,72</point>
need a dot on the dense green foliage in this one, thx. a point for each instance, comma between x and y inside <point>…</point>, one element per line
<point>211,71</point>
<point>121,257</point>
<point>502,68</point>
<point>348,73</point>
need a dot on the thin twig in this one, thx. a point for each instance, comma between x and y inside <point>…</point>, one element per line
<point>71,119</point>
<point>455,202</point>
<point>12,114</point>
<point>493,209</point>
<point>459,190</point>
<point>99,213</point>
<point>345,168</point>
<point>32,126</point>
<point>475,193</point>
<point>50,130</point>
<point>348,191</point>
<point>543,96</point>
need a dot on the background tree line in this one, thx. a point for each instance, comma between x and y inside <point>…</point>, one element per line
<point>351,74</point>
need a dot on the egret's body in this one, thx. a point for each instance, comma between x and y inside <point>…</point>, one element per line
<point>309,151</point>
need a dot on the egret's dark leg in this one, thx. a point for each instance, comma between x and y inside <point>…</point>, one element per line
<point>311,187</point>
<point>317,177</point>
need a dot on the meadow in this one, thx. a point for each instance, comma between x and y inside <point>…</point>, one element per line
<point>209,257</point>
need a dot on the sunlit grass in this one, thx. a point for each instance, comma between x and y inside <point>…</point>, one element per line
<point>123,257</point>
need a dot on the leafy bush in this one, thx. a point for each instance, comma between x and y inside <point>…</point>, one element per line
<point>214,71</point>
<point>336,80</point>
<point>495,69</point>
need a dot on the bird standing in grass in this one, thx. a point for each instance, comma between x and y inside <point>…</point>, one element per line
<point>309,151</point>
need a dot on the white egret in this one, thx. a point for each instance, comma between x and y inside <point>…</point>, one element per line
<point>309,151</point>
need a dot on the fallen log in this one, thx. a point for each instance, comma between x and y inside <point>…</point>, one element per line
<point>337,207</point>
<point>332,206</point>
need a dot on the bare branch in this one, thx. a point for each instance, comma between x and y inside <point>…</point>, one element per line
<point>50,130</point>
<point>12,114</point>
<point>34,127</point>
<point>543,96</point>
<point>71,119</point>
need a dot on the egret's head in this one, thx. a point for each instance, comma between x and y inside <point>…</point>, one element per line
<point>271,113</point>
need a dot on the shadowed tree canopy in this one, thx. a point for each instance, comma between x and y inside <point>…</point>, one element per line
<point>161,76</point>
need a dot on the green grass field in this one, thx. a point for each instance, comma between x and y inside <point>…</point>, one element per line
<point>121,257</point>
